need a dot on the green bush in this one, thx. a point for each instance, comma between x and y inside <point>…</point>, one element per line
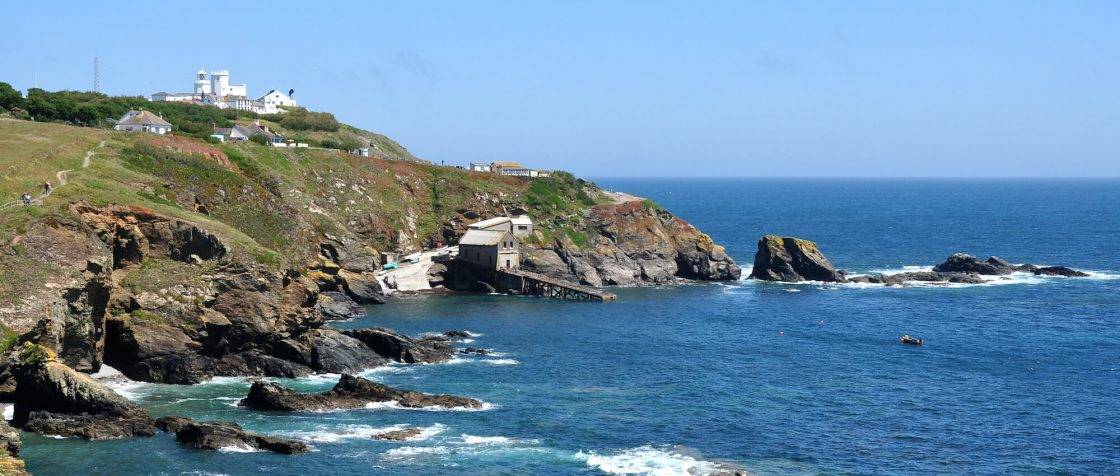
<point>301,119</point>
<point>100,110</point>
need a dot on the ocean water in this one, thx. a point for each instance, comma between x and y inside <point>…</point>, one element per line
<point>1019,375</point>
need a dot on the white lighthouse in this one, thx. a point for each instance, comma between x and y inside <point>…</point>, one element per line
<point>201,84</point>
<point>216,90</point>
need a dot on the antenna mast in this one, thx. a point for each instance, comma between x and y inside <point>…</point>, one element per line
<point>96,76</point>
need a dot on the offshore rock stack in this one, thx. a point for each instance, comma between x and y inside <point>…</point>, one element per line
<point>789,259</point>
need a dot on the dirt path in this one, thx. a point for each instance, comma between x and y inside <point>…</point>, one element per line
<point>60,176</point>
<point>89,156</point>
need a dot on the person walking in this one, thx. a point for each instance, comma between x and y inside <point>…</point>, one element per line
<point>47,188</point>
<point>26,199</point>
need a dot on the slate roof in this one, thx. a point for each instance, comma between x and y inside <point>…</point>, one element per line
<point>483,237</point>
<point>142,118</point>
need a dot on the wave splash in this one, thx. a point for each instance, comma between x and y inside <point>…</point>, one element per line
<point>648,460</point>
<point>335,434</point>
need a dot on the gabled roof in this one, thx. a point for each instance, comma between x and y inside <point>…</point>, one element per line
<point>515,165</point>
<point>522,220</point>
<point>142,118</point>
<point>489,223</point>
<point>483,237</point>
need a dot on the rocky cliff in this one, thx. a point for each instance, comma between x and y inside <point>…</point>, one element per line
<point>632,243</point>
<point>176,260</point>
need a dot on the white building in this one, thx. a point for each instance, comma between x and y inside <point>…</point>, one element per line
<point>218,92</point>
<point>277,98</point>
<point>142,121</point>
<point>480,167</point>
<point>521,225</point>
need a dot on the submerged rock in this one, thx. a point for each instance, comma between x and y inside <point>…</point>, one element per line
<point>399,435</point>
<point>1060,271</point>
<point>217,435</point>
<point>401,348</point>
<point>791,259</point>
<point>474,351</point>
<point>457,335</point>
<point>54,399</point>
<point>350,392</point>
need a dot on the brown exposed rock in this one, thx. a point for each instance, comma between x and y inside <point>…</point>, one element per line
<point>792,259</point>
<point>54,399</point>
<point>633,242</point>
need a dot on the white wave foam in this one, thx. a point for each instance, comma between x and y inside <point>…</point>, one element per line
<point>238,449</point>
<point>126,387</point>
<point>647,460</point>
<point>395,405</point>
<point>496,440</point>
<point>485,440</point>
<point>9,412</point>
<point>405,452</point>
<point>457,360</point>
<point>220,399</point>
<point>335,434</point>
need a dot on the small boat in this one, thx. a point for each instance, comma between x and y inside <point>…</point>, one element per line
<point>389,265</point>
<point>906,339</point>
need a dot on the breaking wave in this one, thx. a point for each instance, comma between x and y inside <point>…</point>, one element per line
<point>647,460</point>
<point>335,434</point>
<point>126,387</point>
<point>395,405</point>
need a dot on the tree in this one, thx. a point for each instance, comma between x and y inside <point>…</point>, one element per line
<point>10,97</point>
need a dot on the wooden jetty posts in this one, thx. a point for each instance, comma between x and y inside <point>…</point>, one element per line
<point>528,283</point>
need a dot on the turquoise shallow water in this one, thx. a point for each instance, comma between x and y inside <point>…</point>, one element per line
<point>1017,376</point>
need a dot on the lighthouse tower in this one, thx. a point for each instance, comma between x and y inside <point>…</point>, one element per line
<point>201,84</point>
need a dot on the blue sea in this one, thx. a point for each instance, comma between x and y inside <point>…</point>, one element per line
<point>1019,375</point>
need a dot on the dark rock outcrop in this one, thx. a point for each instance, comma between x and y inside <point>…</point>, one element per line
<point>334,352</point>
<point>1060,271</point>
<point>791,260</point>
<point>350,392</point>
<point>399,435</point>
<point>901,279</point>
<point>965,263</point>
<point>217,435</point>
<point>474,351</point>
<point>457,335</point>
<point>172,424</point>
<point>10,444</point>
<point>401,348</point>
<point>54,399</point>
<point>338,306</point>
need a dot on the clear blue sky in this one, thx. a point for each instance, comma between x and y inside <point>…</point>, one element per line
<point>738,88</point>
